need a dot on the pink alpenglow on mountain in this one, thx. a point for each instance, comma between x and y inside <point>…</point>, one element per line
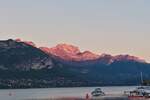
<point>73,53</point>
<point>70,52</point>
<point>27,42</point>
<point>45,49</point>
<point>87,55</point>
<point>128,57</point>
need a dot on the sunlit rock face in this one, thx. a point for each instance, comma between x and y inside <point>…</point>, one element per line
<point>27,42</point>
<point>87,55</point>
<point>109,59</point>
<point>70,52</point>
<point>73,53</point>
<point>128,58</point>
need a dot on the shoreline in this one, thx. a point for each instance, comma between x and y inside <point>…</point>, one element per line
<point>78,98</point>
<point>107,97</point>
<point>68,87</point>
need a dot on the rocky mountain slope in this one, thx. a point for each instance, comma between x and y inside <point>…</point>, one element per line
<point>23,65</point>
<point>22,56</point>
<point>70,52</point>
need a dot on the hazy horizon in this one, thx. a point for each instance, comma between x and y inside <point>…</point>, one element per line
<point>113,27</point>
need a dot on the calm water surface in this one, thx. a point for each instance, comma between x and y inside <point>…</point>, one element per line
<point>22,94</point>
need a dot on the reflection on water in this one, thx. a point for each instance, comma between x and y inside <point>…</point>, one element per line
<point>46,94</point>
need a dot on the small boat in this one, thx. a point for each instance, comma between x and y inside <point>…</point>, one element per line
<point>139,92</point>
<point>97,92</point>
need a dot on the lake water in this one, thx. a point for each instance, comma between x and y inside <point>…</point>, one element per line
<point>24,94</point>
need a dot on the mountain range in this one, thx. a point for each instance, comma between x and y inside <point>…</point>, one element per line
<point>24,65</point>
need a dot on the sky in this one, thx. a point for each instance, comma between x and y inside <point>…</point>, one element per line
<point>102,26</point>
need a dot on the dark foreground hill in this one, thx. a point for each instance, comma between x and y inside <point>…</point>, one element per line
<point>25,66</point>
